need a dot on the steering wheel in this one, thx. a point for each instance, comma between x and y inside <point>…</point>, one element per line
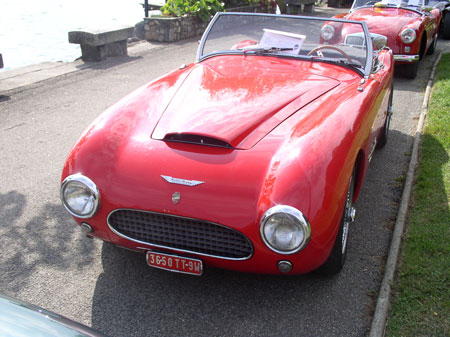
<point>315,50</point>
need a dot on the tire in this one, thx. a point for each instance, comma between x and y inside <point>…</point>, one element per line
<point>383,136</point>
<point>432,47</point>
<point>446,26</point>
<point>338,255</point>
<point>410,70</point>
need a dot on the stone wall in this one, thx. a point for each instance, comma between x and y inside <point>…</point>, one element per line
<point>171,29</point>
<point>247,9</point>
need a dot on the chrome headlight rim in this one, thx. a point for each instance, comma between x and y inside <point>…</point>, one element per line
<point>79,178</point>
<point>298,215</point>
<point>331,32</point>
<point>404,35</point>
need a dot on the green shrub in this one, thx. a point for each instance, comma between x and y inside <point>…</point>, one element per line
<point>204,9</point>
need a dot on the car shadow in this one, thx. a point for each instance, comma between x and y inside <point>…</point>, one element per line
<point>143,300</point>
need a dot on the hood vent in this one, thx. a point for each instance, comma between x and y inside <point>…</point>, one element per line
<point>196,139</point>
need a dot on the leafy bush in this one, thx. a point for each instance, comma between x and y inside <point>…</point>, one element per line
<point>204,9</point>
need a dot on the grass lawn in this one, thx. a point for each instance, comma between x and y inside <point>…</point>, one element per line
<point>421,300</point>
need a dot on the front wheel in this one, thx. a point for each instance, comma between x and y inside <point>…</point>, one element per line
<point>338,254</point>
<point>432,48</point>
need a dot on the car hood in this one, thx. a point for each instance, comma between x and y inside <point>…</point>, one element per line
<point>235,102</point>
<point>134,171</point>
<point>384,21</point>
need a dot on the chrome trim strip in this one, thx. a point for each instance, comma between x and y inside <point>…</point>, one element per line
<point>406,58</point>
<point>372,150</point>
<point>369,48</point>
<point>177,249</point>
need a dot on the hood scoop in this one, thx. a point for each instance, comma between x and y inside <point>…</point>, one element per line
<point>196,139</point>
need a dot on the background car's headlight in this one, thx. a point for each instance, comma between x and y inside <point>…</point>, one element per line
<point>408,35</point>
<point>285,230</point>
<point>80,196</point>
<point>327,32</point>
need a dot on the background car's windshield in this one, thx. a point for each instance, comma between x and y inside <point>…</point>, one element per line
<point>397,3</point>
<point>300,37</point>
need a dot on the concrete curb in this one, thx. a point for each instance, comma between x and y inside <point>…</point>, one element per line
<point>381,311</point>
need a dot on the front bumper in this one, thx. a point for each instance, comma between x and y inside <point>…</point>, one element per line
<point>406,58</point>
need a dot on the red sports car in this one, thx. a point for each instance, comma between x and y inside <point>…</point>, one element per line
<point>411,28</point>
<point>249,159</point>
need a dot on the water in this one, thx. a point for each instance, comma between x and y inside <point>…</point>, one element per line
<point>37,31</point>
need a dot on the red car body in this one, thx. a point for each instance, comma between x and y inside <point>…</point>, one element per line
<point>391,21</point>
<point>238,135</point>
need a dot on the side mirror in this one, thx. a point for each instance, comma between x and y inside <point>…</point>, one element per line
<point>379,41</point>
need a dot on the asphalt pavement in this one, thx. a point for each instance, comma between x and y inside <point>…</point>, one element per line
<point>46,260</point>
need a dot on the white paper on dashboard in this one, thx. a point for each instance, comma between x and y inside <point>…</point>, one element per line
<point>392,2</point>
<point>279,39</point>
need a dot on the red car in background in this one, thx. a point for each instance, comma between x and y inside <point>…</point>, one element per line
<point>444,7</point>
<point>410,27</point>
<point>249,159</point>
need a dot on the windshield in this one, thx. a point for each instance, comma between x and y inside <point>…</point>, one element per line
<point>314,39</point>
<point>396,3</point>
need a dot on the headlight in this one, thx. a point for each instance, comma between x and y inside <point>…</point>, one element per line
<point>80,196</point>
<point>285,230</point>
<point>408,35</point>
<point>327,32</point>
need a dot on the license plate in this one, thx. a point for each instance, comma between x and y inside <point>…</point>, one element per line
<point>175,263</point>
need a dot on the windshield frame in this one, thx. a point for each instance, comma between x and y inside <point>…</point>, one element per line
<point>368,41</point>
<point>417,9</point>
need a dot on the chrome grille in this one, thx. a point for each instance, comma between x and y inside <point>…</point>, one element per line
<point>355,39</point>
<point>186,234</point>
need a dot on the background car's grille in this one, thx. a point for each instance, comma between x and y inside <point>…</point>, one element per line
<point>355,40</point>
<point>185,234</point>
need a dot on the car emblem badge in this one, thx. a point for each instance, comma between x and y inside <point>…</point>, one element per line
<point>176,198</point>
<point>178,181</point>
